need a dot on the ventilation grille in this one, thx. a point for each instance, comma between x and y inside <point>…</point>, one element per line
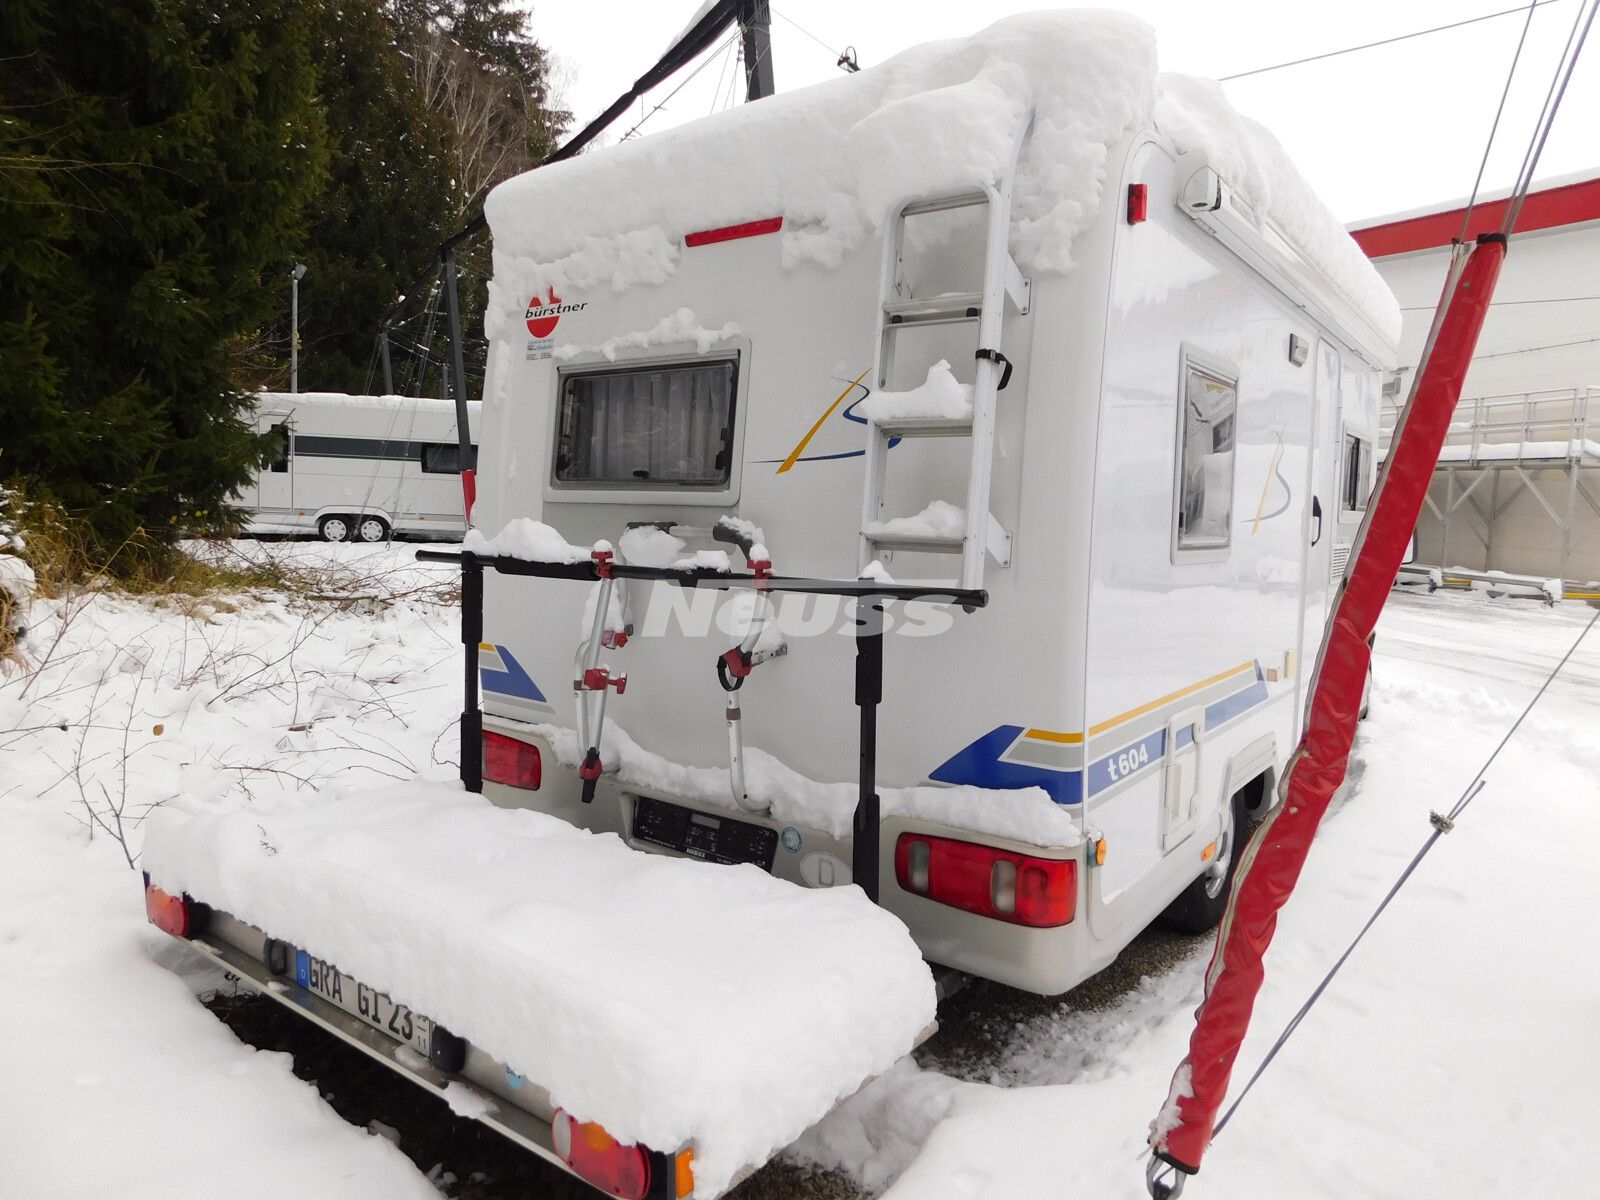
<point>1341,559</point>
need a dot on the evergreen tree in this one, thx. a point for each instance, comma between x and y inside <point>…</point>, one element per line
<point>167,149</point>
<point>387,203</point>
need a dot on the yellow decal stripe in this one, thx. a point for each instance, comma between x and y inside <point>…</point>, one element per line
<point>794,455</point>
<point>1266,486</point>
<point>1050,735</point>
<point>1169,698</point>
<point>485,645</point>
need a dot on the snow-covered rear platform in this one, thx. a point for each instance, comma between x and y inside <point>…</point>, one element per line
<point>673,1001</point>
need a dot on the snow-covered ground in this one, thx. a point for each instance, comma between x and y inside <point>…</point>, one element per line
<point>1453,1057</point>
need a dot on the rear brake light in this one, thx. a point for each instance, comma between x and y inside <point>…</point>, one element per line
<point>1019,888</point>
<point>167,912</point>
<point>599,1159</point>
<point>511,762</point>
<point>732,233</point>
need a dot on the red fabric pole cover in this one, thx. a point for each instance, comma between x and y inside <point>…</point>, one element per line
<point>469,491</point>
<point>1271,862</point>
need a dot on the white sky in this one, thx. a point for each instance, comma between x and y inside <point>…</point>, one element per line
<point>1376,132</point>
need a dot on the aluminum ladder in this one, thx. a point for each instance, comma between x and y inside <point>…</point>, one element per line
<point>1002,283</point>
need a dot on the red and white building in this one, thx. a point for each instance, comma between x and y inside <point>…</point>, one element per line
<point>1518,485</point>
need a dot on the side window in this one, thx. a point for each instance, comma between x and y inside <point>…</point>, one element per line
<point>276,457</point>
<point>1355,476</point>
<point>444,458</point>
<point>1210,398</point>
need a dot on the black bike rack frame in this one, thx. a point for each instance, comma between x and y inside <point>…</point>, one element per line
<point>868,674</point>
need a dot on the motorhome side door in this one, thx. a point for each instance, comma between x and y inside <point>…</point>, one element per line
<point>1180,795</point>
<point>275,478</point>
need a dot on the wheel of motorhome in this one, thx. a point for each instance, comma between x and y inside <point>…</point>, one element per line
<point>372,529</point>
<point>333,529</point>
<point>1201,905</point>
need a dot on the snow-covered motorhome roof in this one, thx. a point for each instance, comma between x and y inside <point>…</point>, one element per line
<point>830,160</point>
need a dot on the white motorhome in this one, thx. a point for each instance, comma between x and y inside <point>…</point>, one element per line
<point>357,468</point>
<point>1052,359</point>
<point>1153,459</point>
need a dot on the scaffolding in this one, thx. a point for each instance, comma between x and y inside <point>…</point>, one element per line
<point>1541,445</point>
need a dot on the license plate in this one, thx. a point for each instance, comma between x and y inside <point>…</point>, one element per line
<point>372,1006</point>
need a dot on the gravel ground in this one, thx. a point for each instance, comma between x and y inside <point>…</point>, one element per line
<point>981,1029</point>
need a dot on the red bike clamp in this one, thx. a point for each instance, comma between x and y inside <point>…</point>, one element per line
<point>597,679</point>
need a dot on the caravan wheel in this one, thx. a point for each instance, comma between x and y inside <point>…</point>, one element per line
<point>372,529</point>
<point>333,529</point>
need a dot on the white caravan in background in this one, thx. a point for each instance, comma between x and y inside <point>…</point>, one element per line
<point>357,468</point>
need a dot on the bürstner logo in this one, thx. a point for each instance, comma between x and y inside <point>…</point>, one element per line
<point>543,314</point>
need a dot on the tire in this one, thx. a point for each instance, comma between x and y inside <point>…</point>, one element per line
<point>1199,907</point>
<point>334,528</point>
<point>371,529</point>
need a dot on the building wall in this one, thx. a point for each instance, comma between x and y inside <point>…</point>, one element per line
<point>1528,345</point>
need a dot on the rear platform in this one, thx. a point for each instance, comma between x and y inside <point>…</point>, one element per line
<point>662,1023</point>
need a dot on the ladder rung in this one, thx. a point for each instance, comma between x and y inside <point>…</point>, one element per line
<point>962,306</point>
<point>914,427</point>
<point>920,543</point>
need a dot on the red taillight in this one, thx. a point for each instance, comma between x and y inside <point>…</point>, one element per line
<point>1018,888</point>
<point>167,912</point>
<point>513,763</point>
<point>1138,203</point>
<point>599,1158</point>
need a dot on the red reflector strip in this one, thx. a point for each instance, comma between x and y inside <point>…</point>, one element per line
<point>511,762</point>
<point>597,1157</point>
<point>731,233</point>
<point>167,913</point>
<point>1018,888</point>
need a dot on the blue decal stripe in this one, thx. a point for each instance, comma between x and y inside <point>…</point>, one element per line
<point>512,681</point>
<point>979,765</point>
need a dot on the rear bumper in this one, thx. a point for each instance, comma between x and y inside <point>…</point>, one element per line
<point>1044,961</point>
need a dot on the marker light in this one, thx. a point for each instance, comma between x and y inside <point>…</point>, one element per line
<point>167,912</point>
<point>1019,888</point>
<point>599,1159</point>
<point>511,762</point>
<point>1138,203</point>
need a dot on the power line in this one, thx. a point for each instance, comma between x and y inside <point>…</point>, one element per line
<point>704,63</point>
<point>830,49</point>
<point>1404,37</point>
<point>1501,303</point>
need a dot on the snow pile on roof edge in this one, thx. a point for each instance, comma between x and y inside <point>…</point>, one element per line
<point>1195,114</point>
<point>592,969</point>
<point>831,158</point>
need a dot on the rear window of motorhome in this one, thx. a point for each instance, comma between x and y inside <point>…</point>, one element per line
<point>647,426</point>
<point>1205,472</point>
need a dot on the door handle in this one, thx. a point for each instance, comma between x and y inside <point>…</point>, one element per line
<point>1316,511</point>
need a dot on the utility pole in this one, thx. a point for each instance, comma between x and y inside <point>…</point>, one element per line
<point>755,25</point>
<point>295,276</point>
